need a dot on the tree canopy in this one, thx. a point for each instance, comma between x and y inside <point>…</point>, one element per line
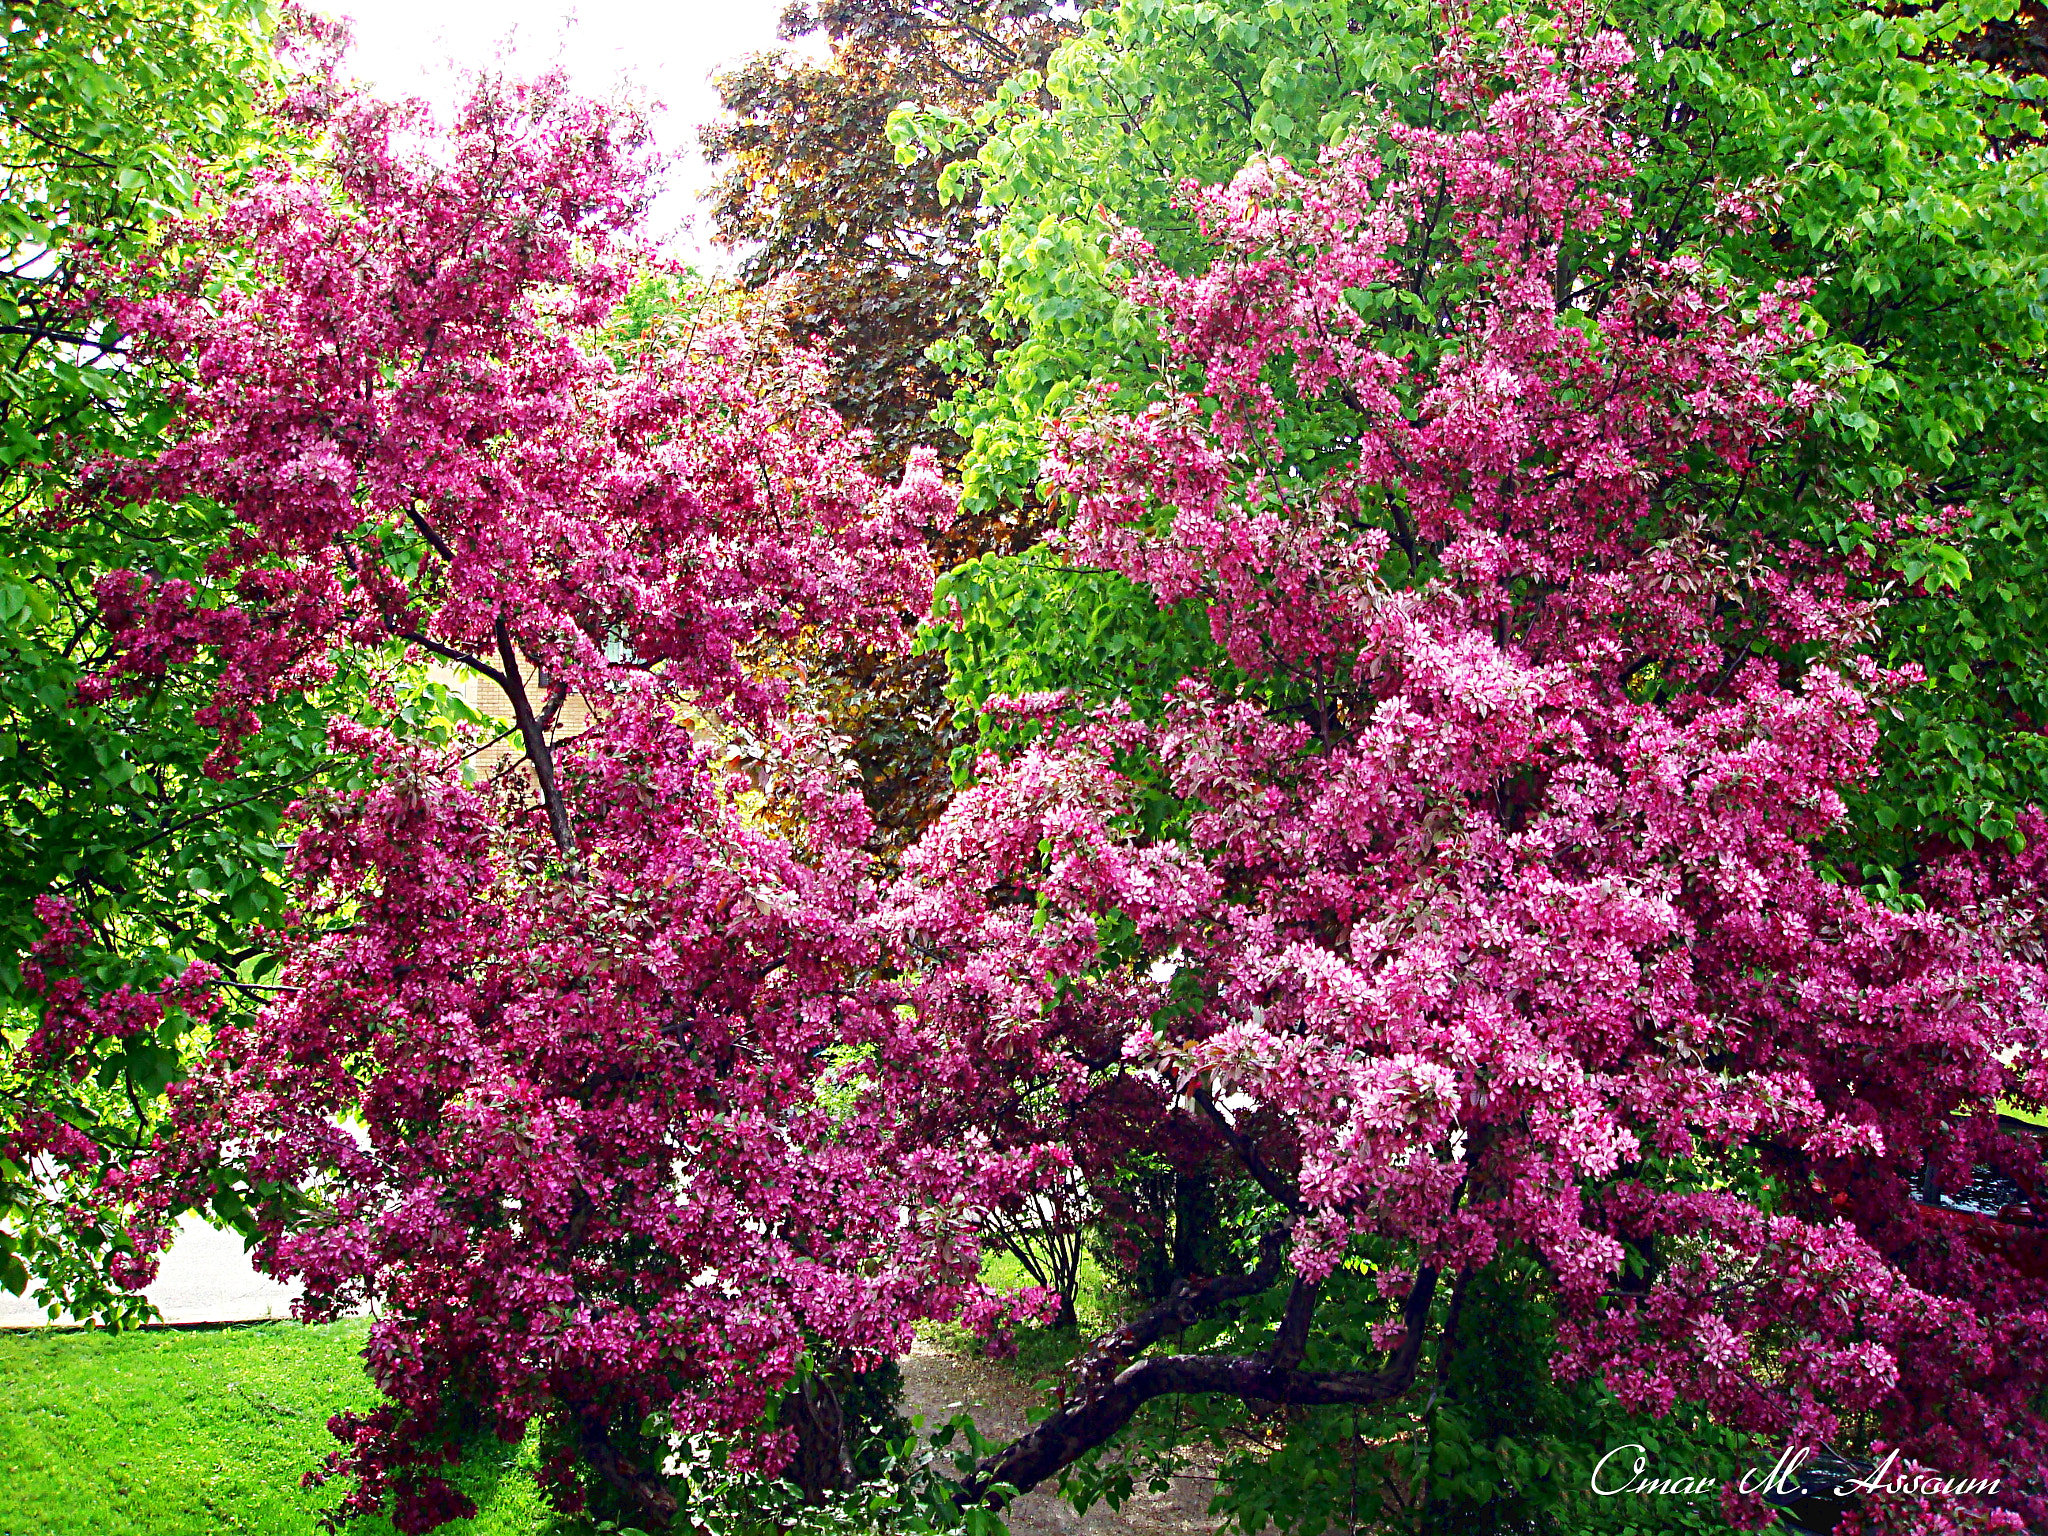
<point>1419,890</point>
<point>1510,783</point>
<point>1883,164</point>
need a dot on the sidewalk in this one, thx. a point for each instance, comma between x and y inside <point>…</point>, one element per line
<point>205,1278</point>
<point>938,1385</point>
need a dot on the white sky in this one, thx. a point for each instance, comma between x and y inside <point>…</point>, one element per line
<point>665,52</point>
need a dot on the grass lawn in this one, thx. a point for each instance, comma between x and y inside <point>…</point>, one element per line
<point>194,1432</point>
<point>1042,1353</point>
<point>191,1433</point>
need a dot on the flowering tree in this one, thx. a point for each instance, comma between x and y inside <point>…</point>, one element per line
<point>1472,894</point>
<point>582,1075</point>
<point>1475,892</point>
<point>103,807</point>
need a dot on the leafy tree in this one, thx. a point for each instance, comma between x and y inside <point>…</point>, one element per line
<point>109,114</point>
<point>866,254</point>
<point>861,255</point>
<point>1480,893</point>
<point>1870,154</point>
<point>1912,162</point>
<point>641,1149</point>
<point>1896,174</point>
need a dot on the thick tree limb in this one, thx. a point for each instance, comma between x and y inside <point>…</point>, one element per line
<point>821,1465</point>
<point>1191,1299</point>
<point>1089,1420</point>
<point>1290,1342</point>
<point>535,739</point>
<point>648,1492</point>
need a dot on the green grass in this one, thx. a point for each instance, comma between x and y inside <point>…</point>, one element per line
<point>191,1433</point>
<point>175,1432</point>
<point>1042,1353</point>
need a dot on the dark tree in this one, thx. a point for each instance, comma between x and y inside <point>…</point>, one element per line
<point>865,256</point>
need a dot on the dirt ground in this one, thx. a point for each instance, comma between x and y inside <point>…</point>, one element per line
<point>939,1385</point>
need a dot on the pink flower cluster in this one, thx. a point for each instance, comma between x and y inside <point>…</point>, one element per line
<point>1499,918</point>
<point>994,1316</point>
<point>604,1130</point>
<point>76,1019</point>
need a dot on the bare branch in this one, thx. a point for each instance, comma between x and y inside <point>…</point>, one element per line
<point>1089,1420</point>
<point>538,750</point>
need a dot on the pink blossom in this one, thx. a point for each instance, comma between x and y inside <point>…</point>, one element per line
<point>1502,917</point>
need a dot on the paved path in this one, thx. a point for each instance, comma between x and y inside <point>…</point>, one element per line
<point>204,1278</point>
<point>939,1385</point>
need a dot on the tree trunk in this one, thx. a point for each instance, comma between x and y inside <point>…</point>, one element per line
<point>652,1500</point>
<point>1108,1388</point>
<point>822,1464</point>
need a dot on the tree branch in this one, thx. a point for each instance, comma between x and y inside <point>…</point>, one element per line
<point>449,653</point>
<point>1192,1298</point>
<point>427,532</point>
<point>538,752</point>
<point>1263,1173</point>
<point>650,1495</point>
<point>1088,1421</point>
<point>1290,1340</point>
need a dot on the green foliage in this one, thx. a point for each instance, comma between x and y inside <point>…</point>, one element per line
<point>1028,624</point>
<point>906,1486</point>
<point>1889,169</point>
<point>873,1403</point>
<point>1149,94</point>
<point>1903,184</point>
<point>105,107</point>
<point>102,110</point>
<point>1508,1449</point>
<point>105,110</point>
<point>1496,1447</point>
